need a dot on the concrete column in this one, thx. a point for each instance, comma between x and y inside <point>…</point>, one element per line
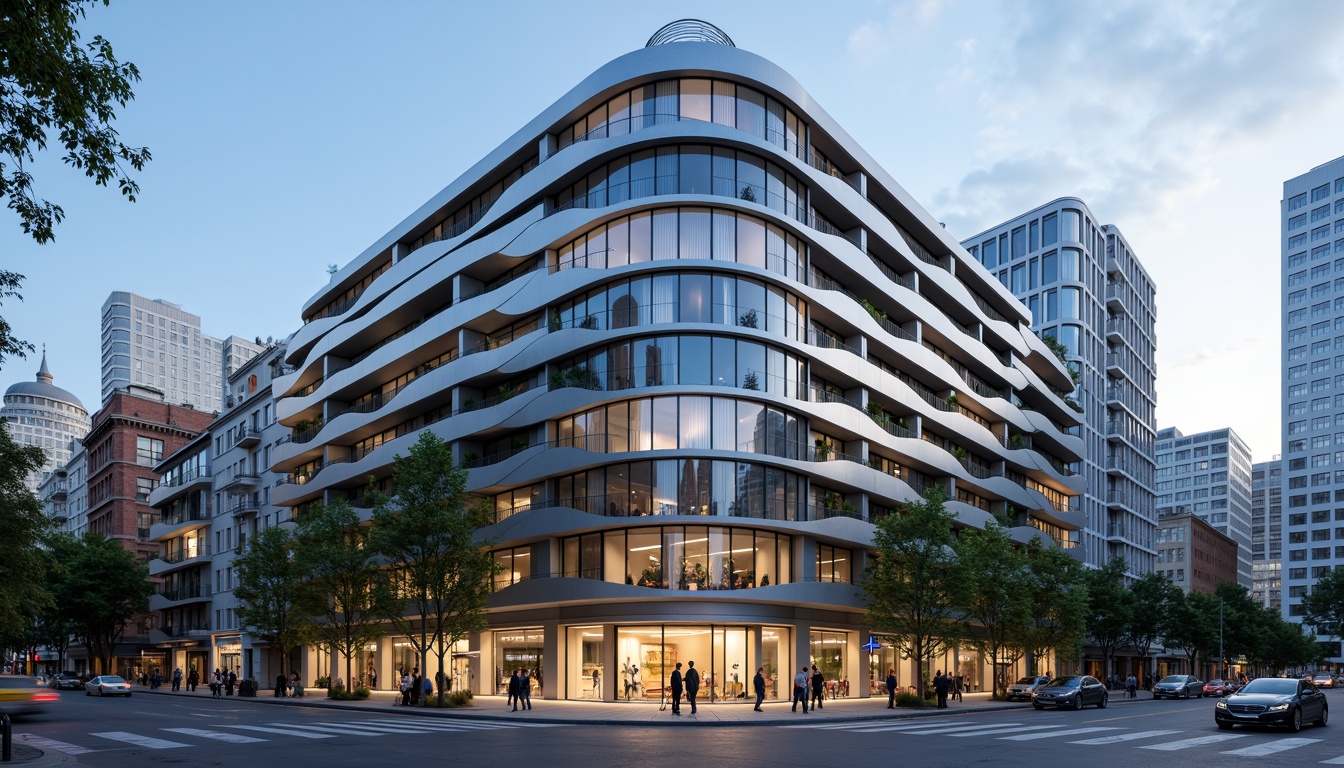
<point>552,660</point>
<point>802,652</point>
<point>611,665</point>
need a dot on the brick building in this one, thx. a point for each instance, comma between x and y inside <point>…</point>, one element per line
<point>132,433</point>
<point>1194,555</point>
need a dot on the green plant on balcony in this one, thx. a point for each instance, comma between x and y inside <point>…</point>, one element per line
<point>506,392</point>
<point>469,458</point>
<point>1016,441</point>
<point>952,401</point>
<point>878,314</point>
<point>823,448</point>
<point>554,323</point>
<point>589,322</point>
<point>1057,347</point>
<point>960,454</point>
<point>875,412</point>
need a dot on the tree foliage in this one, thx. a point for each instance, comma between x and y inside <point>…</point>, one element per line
<point>1192,625</point>
<point>1058,606</point>
<point>10,346</point>
<point>344,587</point>
<point>993,579</point>
<point>269,590</point>
<point>101,588</point>
<point>1110,609</point>
<point>911,583</point>
<point>52,85</point>
<point>22,527</point>
<point>1324,607</point>
<point>441,573</point>
<point>1152,598</point>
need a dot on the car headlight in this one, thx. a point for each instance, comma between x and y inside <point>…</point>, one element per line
<point>1222,704</point>
<point>1279,707</point>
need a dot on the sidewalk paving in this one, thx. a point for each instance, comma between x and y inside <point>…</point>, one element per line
<point>734,713</point>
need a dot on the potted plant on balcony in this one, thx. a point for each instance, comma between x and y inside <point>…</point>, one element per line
<point>554,324</point>
<point>823,448</point>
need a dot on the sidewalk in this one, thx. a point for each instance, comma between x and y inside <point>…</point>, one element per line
<point>735,713</point>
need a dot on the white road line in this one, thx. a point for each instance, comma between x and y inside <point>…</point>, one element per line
<point>1334,761</point>
<point>282,731</point>
<point>866,727</point>
<point>232,738</point>
<point>148,742</point>
<point>1116,739</point>
<point>947,729</point>
<point>328,728</point>
<point>821,725</point>
<point>45,743</point>
<point>911,727</point>
<point>991,730</point>
<point>424,726</point>
<point>379,728</point>
<point>1198,741</point>
<point>1053,734</point>
<point>1269,748</point>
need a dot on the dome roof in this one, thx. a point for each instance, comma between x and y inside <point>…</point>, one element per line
<point>689,31</point>
<point>43,387</point>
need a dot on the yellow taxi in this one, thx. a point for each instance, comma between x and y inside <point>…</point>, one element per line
<point>20,695</point>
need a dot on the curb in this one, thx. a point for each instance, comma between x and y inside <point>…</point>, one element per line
<point>477,714</point>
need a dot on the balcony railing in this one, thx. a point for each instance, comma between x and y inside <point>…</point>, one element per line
<point>183,593</point>
<point>182,555</point>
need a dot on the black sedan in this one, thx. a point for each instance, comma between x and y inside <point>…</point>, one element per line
<point>1273,701</point>
<point>1073,692</point>
<point>1179,687</point>
<point>64,682</point>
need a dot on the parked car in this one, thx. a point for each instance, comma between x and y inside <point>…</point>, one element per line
<point>1220,687</point>
<point>1323,680</point>
<point>21,695</point>
<point>1178,687</point>
<point>1075,692</point>
<point>64,682</point>
<point>107,685</point>
<point>1023,688</point>
<point>1273,701</point>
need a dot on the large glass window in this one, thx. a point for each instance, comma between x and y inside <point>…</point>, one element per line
<point>687,558</point>
<point>834,564</point>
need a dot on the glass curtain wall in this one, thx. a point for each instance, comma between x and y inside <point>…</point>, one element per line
<point>723,655</point>
<point>586,670</point>
<point>686,558</point>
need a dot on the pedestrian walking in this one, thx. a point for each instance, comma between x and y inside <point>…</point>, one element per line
<point>405,688</point>
<point>193,679</point>
<point>514,695</point>
<point>1132,685</point>
<point>758,687</point>
<point>959,685</point>
<point>891,688</point>
<point>230,681</point>
<point>675,685</point>
<point>177,679</point>
<point>941,684</point>
<point>692,684</point>
<point>417,683</point>
<point>818,687</point>
<point>800,690</point>
<point>280,686</point>
<point>525,687</point>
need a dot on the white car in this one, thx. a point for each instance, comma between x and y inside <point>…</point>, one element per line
<point>107,685</point>
<point>1023,688</point>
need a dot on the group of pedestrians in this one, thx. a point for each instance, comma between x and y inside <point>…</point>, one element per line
<point>690,685</point>
<point>222,683</point>
<point>803,682</point>
<point>413,688</point>
<point>520,689</point>
<point>948,685</point>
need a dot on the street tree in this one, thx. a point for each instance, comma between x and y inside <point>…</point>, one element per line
<point>1059,606</point>
<point>993,593</point>
<point>911,582</point>
<point>10,346</point>
<point>1323,608</point>
<point>22,526</point>
<point>1110,610</point>
<point>344,587</point>
<point>1152,599</point>
<point>102,589</point>
<point>269,590</point>
<point>1192,626</point>
<point>54,86</point>
<point>1242,630</point>
<point>441,573</point>
<point>1288,645</point>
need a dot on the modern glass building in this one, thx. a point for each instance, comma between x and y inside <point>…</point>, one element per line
<point>1312,213</point>
<point>1208,474</point>
<point>1267,532</point>
<point>1086,288</point>
<point>691,341</point>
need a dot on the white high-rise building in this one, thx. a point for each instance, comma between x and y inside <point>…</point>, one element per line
<point>1208,474</point>
<point>1086,289</point>
<point>154,343</point>
<point>1267,532</point>
<point>39,413</point>
<point>1312,216</point>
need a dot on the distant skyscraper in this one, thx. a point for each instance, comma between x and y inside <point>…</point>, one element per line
<point>1086,289</point>
<point>1209,475</point>
<point>42,414</point>
<point>1267,532</point>
<point>153,343</point>
<point>1312,216</point>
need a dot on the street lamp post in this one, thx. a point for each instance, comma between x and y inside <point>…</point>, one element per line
<point>1221,671</point>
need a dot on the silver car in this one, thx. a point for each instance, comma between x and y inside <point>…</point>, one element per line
<point>1023,688</point>
<point>1179,687</point>
<point>108,685</point>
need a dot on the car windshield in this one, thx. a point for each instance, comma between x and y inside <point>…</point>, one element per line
<point>1216,682</point>
<point>1271,685</point>
<point>1174,679</point>
<point>1065,682</point>
<point>111,679</point>
<point>1026,681</point>
<point>18,682</point>
<point>1322,677</point>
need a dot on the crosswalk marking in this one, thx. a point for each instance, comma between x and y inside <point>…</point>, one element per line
<point>283,731</point>
<point>381,728</point>
<point>898,727</point>
<point>232,738</point>
<point>148,742</point>
<point>1271,747</point>
<point>820,725</point>
<point>1198,741</point>
<point>1054,734</point>
<point>1334,761</point>
<point>992,730</point>
<point>947,729</point>
<point>1119,737</point>
<point>319,728</point>
<point>41,742</point>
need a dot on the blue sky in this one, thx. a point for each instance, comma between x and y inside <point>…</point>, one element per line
<point>290,135</point>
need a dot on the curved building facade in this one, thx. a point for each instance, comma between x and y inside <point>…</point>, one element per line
<point>39,413</point>
<point>691,341</point>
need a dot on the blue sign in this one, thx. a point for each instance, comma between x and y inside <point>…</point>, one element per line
<point>872,646</point>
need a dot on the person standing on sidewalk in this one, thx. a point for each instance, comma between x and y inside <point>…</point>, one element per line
<point>818,687</point>
<point>405,689</point>
<point>514,695</point>
<point>1132,685</point>
<point>758,685</point>
<point>800,690</point>
<point>675,684</point>
<point>941,684</point>
<point>891,688</point>
<point>525,688</point>
<point>193,679</point>
<point>959,685</point>
<point>177,679</point>
<point>692,684</point>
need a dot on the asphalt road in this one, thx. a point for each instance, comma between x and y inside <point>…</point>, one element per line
<point>163,730</point>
